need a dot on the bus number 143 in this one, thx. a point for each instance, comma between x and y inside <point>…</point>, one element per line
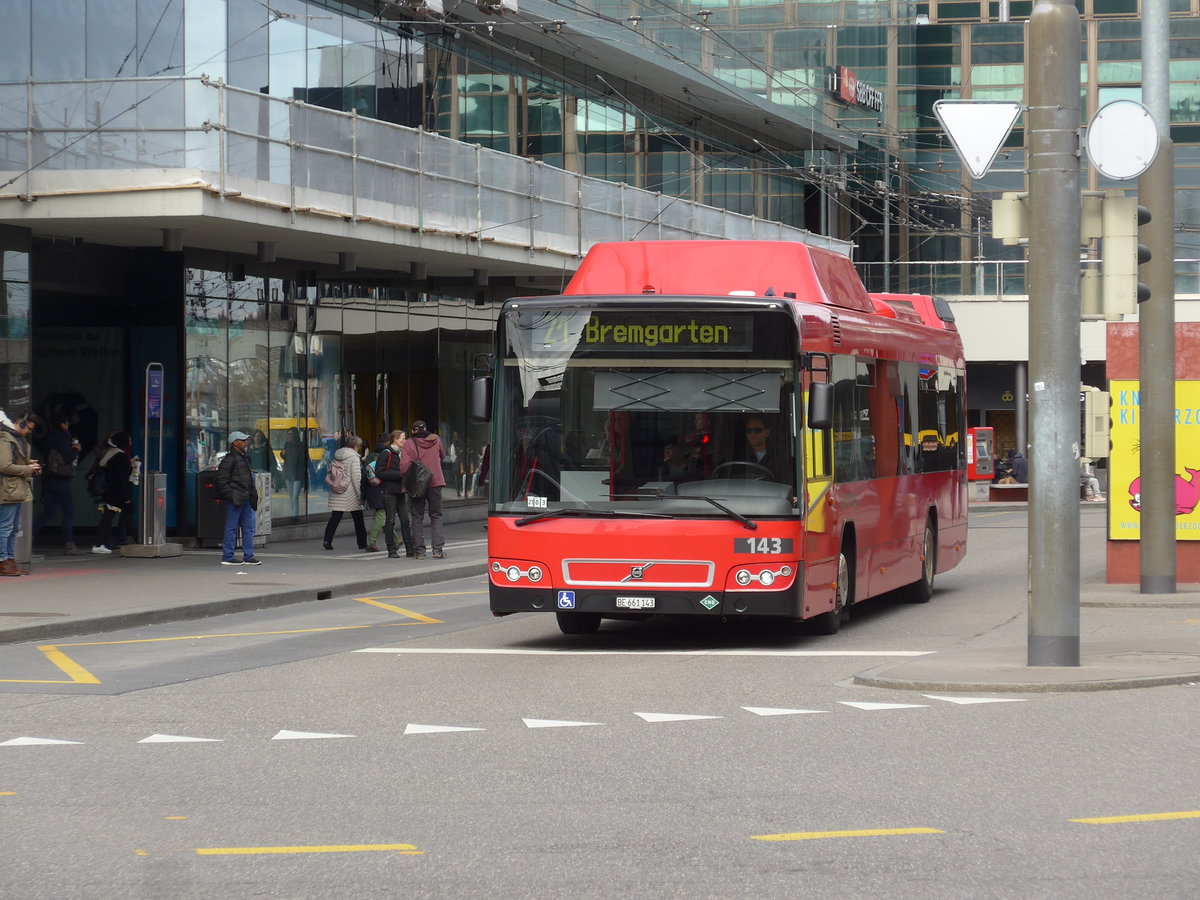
<point>768,545</point>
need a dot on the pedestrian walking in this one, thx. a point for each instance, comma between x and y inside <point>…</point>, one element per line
<point>373,495</point>
<point>427,449</point>
<point>395,497</point>
<point>17,470</point>
<point>62,460</point>
<point>110,483</point>
<point>236,488</point>
<point>350,498</point>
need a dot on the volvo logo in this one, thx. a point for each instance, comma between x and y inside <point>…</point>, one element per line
<point>637,573</point>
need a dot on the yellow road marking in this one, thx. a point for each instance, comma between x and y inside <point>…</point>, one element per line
<point>420,619</point>
<point>203,637</point>
<point>174,818</point>
<point>1145,817</point>
<point>8,793</point>
<point>405,849</point>
<point>868,832</point>
<point>79,675</point>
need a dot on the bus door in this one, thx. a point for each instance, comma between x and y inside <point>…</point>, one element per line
<point>819,521</point>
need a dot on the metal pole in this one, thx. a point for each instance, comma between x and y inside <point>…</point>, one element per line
<point>887,235</point>
<point>1052,145</point>
<point>1156,329</point>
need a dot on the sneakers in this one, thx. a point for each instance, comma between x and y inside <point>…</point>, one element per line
<point>371,548</point>
<point>327,545</point>
<point>439,554</point>
<point>418,555</point>
<point>252,562</point>
<point>100,548</point>
<point>392,554</point>
<point>230,562</point>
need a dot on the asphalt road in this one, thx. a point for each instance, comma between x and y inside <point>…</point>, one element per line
<point>384,755</point>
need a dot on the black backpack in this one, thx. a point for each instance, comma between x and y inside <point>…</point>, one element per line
<point>97,480</point>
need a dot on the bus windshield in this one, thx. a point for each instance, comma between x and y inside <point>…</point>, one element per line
<point>637,410</point>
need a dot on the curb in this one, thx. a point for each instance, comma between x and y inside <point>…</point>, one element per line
<point>1029,687</point>
<point>317,591</point>
<point>1104,666</point>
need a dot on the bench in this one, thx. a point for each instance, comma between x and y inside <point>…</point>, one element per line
<point>1001,492</point>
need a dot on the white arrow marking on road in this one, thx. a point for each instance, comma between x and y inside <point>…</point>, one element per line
<point>432,729</point>
<point>772,711</point>
<point>286,735</point>
<point>967,700</point>
<point>30,742</point>
<point>670,717</point>
<point>874,706</point>
<point>554,723</point>
<point>173,739</point>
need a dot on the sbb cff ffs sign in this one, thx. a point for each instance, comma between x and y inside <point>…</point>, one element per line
<point>845,86</point>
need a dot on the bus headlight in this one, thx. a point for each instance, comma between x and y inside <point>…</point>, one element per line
<point>763,576</point>
<point>516,573</point>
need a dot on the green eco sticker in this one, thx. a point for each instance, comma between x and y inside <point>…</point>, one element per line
<point>709,602</point>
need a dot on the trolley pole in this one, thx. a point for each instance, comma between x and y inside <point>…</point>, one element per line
<point>1052,141</point>
<point>1156,320</point>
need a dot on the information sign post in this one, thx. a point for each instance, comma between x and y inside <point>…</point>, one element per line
<point>153,481</point>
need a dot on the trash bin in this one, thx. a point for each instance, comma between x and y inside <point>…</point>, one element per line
<point>210,510</point>
<point>154,508</point>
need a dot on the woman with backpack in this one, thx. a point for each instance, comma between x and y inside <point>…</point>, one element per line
<point>345,491</point>
<point>109,482</point>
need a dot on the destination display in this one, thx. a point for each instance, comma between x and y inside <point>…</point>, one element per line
<point>633,333</point>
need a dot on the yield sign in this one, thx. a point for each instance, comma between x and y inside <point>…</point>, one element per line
<point>977,129</point>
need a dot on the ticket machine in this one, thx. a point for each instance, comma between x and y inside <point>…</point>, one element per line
<point>981,443</point>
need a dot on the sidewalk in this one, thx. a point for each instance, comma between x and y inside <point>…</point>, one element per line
<point>1129,639</point>
<point>69,595</point>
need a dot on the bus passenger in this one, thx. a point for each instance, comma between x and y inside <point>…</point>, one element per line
<point>700,440</point>
<point>674,463</point>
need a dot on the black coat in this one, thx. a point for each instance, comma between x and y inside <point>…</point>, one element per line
<point>235,481</point>
<point>59,441</point>
<point>387,470</point>
<point>119,490</point>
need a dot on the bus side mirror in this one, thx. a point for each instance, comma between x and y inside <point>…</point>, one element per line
<point>820,405</point>
<point>480,404</point>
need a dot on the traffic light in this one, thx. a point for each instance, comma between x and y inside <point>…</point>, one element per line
<point>1121,254</point>
<point>1010,218</point>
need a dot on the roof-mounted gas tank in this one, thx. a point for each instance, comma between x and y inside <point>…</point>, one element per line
<point>781,269</point>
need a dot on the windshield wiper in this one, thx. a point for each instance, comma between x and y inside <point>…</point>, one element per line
<point>588,513</point>
<point>659,495</point>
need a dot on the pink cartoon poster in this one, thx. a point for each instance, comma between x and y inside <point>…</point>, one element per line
<point>1124,516</point>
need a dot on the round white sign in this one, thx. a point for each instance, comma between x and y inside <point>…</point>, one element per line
<point>1122,140</point>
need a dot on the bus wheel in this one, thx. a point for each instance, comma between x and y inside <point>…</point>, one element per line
<point>577,622</point>
<point>830,622</point>
<point>920,591</point>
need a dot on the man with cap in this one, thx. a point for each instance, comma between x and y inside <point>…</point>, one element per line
<point>235,486</point>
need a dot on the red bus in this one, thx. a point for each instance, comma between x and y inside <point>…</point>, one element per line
<point>721,429</point>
